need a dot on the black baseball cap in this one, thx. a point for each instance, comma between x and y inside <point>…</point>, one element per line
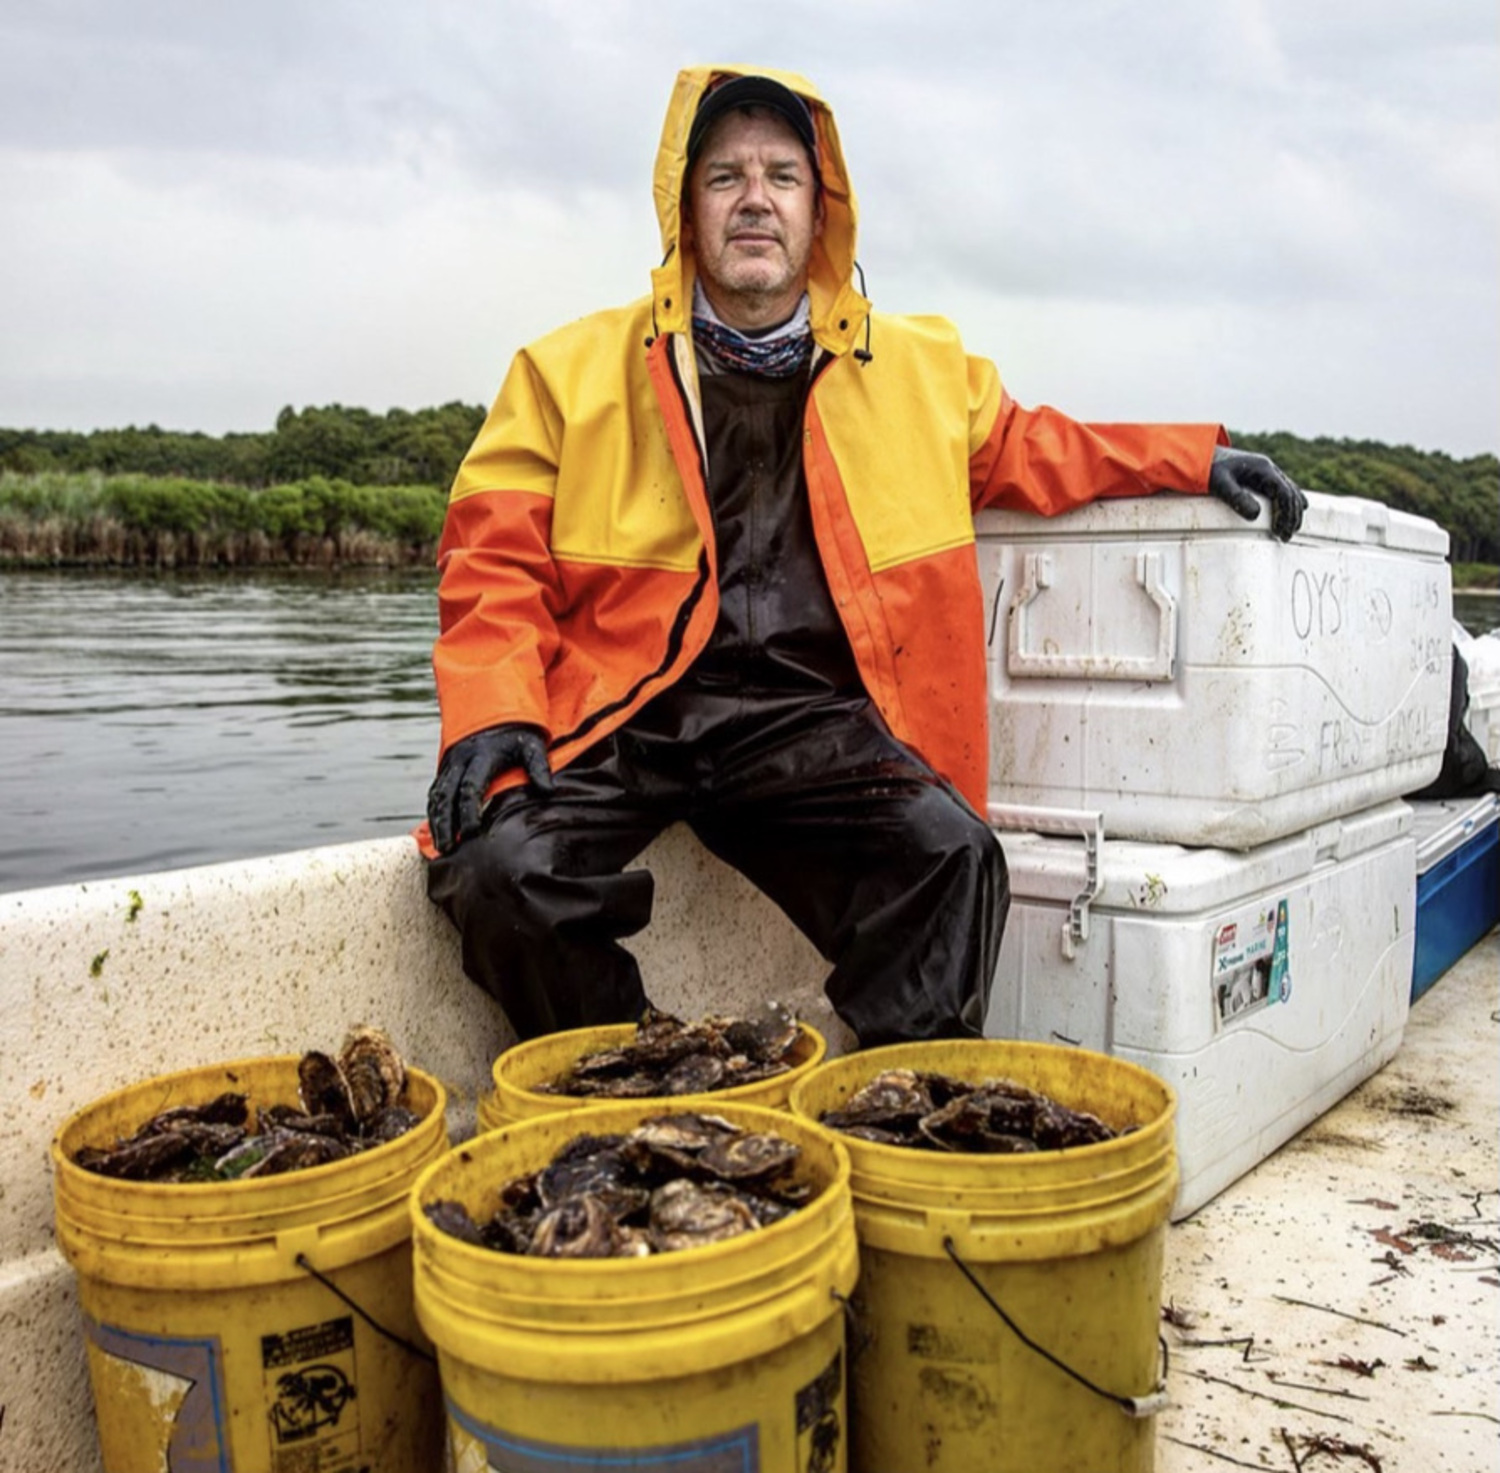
<point>737,92</point>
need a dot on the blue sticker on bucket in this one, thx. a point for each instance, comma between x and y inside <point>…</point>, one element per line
<point>735,1451</point>
<point>179,1408</point>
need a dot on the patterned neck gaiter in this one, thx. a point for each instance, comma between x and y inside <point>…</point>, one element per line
<point>779,352</point>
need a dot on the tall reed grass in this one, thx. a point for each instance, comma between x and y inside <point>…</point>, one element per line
<point>86,518</point>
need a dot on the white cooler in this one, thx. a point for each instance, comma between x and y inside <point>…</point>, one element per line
<point>1482,656</point>
<point>1172,666</point>
<point>1261,986</point>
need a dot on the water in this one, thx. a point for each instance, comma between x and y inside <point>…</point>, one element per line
<point>1477,612</point>
<point>149,723</point>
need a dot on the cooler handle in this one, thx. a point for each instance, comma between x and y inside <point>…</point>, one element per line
<point>1038,573</point>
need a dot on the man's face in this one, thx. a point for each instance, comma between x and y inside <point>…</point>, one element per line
<point>752,216</point>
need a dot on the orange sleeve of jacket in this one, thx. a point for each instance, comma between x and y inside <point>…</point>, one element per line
<point>498,590</point>
<point>1041,461</point>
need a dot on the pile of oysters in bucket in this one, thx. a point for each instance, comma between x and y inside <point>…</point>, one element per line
<point>928,1111</point>
<point>348,1103</point>
<point>674,1182</point>
<point>671,1057</point>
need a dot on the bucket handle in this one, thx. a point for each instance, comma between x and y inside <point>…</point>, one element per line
<point>1133,1406</point>
<point>302,1262</point>
<point>856,1332</point>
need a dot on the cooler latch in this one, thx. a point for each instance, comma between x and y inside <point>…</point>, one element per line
<point>1068,823</point>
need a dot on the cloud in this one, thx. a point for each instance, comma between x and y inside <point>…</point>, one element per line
<point>1285,212</point>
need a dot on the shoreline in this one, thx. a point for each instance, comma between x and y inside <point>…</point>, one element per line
<point>357,550</point>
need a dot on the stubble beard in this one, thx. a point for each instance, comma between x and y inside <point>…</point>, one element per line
<point>755,282</point>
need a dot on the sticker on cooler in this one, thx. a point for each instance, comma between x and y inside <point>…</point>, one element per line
<point>481,1449</point>
<point>169,1390</point>
<point>310,1386</point>
<point>1250,963</point>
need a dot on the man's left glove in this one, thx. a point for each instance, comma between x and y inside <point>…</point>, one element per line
<point>469,766</point>
<point>1236,474</point>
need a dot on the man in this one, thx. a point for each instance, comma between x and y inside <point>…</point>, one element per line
<point>711,559</point>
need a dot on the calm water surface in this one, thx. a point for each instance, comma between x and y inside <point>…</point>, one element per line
<point>149,723</point>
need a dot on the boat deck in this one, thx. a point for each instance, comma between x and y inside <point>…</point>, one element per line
<point>1336,1308</point>
<point>1339,1306</point>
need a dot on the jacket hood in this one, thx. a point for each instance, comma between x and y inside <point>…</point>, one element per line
<point>838,310</point>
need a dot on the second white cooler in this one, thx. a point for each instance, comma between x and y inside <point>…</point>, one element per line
<point>1261,986</point>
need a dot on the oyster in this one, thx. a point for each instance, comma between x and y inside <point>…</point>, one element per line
<point>453,1218</point>
<point>872,1133</point>
<point>229,1108</point>
<point>767,1210</point>
<point>373,1071</point>
<point>633,1242</point>
<point>322,1088</point>
<point>235,1162</point>
<point>1056,1127</point>
<point>765,1037</point>
<point>685,1214</point>
<point>674,1182</point>
<point>985,1120</point>
<point>894,1100</point>
<point>506,1233</point>
<point>590,1166</point>
<point>934,1112</point>
<point>579,1227</point>
<point>209,1139</point>
<point>672,1143</point>
<point>695,1074</point>
<point>614,1087</point>
<point>671,1057</point>
<point>388,1124</point>
<point>144,1157</point>
<point>295,1150</point>
<point>344,1105</point>
<point>746,1158</point>
<point>290,1117</point>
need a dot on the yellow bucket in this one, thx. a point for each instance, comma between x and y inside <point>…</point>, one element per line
<point>725,1357</point>
<point>220,1320</point>
<point>520,1069</point>
<point>961,1256</point>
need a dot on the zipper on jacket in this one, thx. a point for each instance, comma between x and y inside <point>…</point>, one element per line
<point>675,637</point>
<point>678,632</point>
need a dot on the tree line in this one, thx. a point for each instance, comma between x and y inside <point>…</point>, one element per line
<point>336,484</point>
<point>399,448</point>
<point>1461,496</point>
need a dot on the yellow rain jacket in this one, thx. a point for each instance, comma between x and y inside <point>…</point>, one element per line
<point>578,560</point>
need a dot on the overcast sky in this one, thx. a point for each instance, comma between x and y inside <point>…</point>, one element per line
<point>1281,214</point>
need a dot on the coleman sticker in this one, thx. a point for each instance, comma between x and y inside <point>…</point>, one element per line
<point>1251,967</point>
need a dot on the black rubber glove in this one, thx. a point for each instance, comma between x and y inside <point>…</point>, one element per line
<point>1237,476</point>
<point>469,766</point>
